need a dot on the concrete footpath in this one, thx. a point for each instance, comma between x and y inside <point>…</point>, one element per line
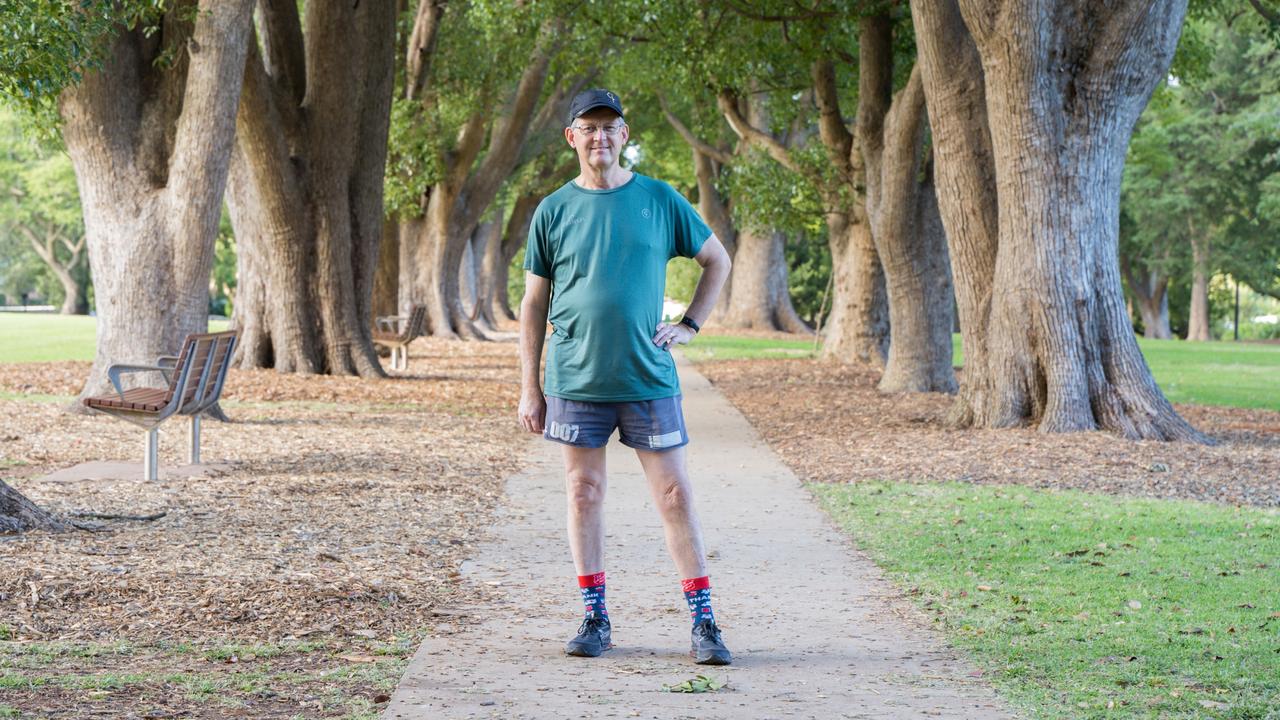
<point>815,630</point>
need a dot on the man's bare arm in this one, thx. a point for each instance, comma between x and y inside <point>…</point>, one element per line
<point>715,270</point>
<point>533,333</point>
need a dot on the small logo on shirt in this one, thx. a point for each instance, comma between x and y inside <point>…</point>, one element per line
<point>574,220</point>
<point>645,213</point>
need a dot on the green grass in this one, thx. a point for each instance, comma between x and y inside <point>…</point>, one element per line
<point>1245,375</point>
<point>1088,606</point>
<point>45,337</point>
<point>729,347</point>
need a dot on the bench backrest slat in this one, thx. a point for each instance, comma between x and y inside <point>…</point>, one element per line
<point>201,368</point>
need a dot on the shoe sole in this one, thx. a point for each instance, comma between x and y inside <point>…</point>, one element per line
<point>584,651</point>
<point>713,660</point>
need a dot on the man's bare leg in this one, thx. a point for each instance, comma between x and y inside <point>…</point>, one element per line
<point>585,485</point>
<point>668,477</point>
<point>672,492</point>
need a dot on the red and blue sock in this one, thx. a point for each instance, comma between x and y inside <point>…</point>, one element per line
<point>592,587</point>
<point>697,592</point>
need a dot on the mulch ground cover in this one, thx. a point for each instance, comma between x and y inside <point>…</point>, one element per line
<point>296,582</point>
<point>830,424</point>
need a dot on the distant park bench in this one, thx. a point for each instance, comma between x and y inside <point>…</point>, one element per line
<point>396,332</point>
<point>195,379</point>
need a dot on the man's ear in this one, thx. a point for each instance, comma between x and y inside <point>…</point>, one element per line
<point>568,137</point>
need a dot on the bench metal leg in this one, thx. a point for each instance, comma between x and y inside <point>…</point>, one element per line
<point>195,439</point>
<point>151,462</point>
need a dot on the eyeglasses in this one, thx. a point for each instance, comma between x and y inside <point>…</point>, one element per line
<point>590,130</point>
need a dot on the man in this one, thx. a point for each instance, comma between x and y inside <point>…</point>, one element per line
<point>602,242</point>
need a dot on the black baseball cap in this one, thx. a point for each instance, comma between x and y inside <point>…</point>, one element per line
<point>589,100</point>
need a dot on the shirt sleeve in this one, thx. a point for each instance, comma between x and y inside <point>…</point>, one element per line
<point>690,231</point>
<point>537,253</point>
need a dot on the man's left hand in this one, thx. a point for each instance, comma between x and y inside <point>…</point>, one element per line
<point>669,334</point>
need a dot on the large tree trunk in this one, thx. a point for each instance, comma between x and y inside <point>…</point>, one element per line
<point>517,233</point>
<point>857,328</point>
<point>1061,353</point>
<point>1150,290</point>
<point>761,298</point>
<point>306,187</point>
<point>964,168</point>
<point>757,294</point>
<point>151,148</point>
<point>902,211</point>
<point>1198,324</point>
<point>387,276</point>
<point>432,246</point>
<point>18,514</point>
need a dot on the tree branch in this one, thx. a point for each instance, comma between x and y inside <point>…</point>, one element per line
<point>285,49</point>
<point>835,136</point>
<point>422,46</point>
<point>695,142</point>
<point>1271,16</point>
<point>753,135</point>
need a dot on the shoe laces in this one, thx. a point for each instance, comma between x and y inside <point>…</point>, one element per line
<point>708,630</point>
<point>593,623</point>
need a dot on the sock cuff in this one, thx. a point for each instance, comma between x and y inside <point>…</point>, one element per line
<point>593,580</point>
<point>692,584</point>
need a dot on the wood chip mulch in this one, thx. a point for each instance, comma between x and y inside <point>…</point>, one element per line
<point>830,424</point>
<point>345,512</point>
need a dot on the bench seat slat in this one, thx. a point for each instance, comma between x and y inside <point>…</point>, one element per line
<point>138,399</point>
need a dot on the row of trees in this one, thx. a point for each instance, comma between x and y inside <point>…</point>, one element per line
<point>960,159</point>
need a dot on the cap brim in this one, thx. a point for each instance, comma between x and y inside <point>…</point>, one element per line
<point>589,108</point>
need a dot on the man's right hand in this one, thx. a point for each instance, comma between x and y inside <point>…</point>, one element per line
<point>533,411</point>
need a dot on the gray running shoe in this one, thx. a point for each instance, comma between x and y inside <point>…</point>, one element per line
<point>594,637</point>
<point>708,648</point>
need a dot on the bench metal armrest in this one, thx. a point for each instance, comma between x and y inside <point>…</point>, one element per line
<point>170,362</point>
<point>115,371</point>
<point>390,323</point>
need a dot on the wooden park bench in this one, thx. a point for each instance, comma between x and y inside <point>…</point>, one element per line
<point>195,380</point>
<point>396,332</point>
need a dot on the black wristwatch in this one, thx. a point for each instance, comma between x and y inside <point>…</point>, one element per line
<point>686,320</point>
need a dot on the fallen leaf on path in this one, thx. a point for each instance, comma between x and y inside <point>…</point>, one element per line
<point>699,684</point>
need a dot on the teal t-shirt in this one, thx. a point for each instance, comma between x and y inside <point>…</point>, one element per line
<point>606,253</point>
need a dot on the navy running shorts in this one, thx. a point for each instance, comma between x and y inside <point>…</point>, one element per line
<point>643,425</point>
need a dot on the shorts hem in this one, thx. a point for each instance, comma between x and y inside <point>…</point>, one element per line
<point>640,446</point>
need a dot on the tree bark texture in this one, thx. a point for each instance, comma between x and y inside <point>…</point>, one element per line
<point>904,222</point>
<point>151,146</point>
<point>432,245</point>
<point>1064,83</point>
<point>305,193</point>
<point>18,514</point>
<point>1198,323</point>
<point>964,173</point>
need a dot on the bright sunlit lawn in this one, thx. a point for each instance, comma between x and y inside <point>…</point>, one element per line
<point>1081,605</point>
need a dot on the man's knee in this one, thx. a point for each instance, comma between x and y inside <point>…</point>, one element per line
<point>586,489</point>
<point>675,497</point>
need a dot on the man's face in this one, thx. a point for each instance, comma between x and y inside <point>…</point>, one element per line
<point>598,137</point>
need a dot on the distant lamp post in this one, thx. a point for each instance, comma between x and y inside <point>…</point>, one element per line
<point>1235,327</point>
